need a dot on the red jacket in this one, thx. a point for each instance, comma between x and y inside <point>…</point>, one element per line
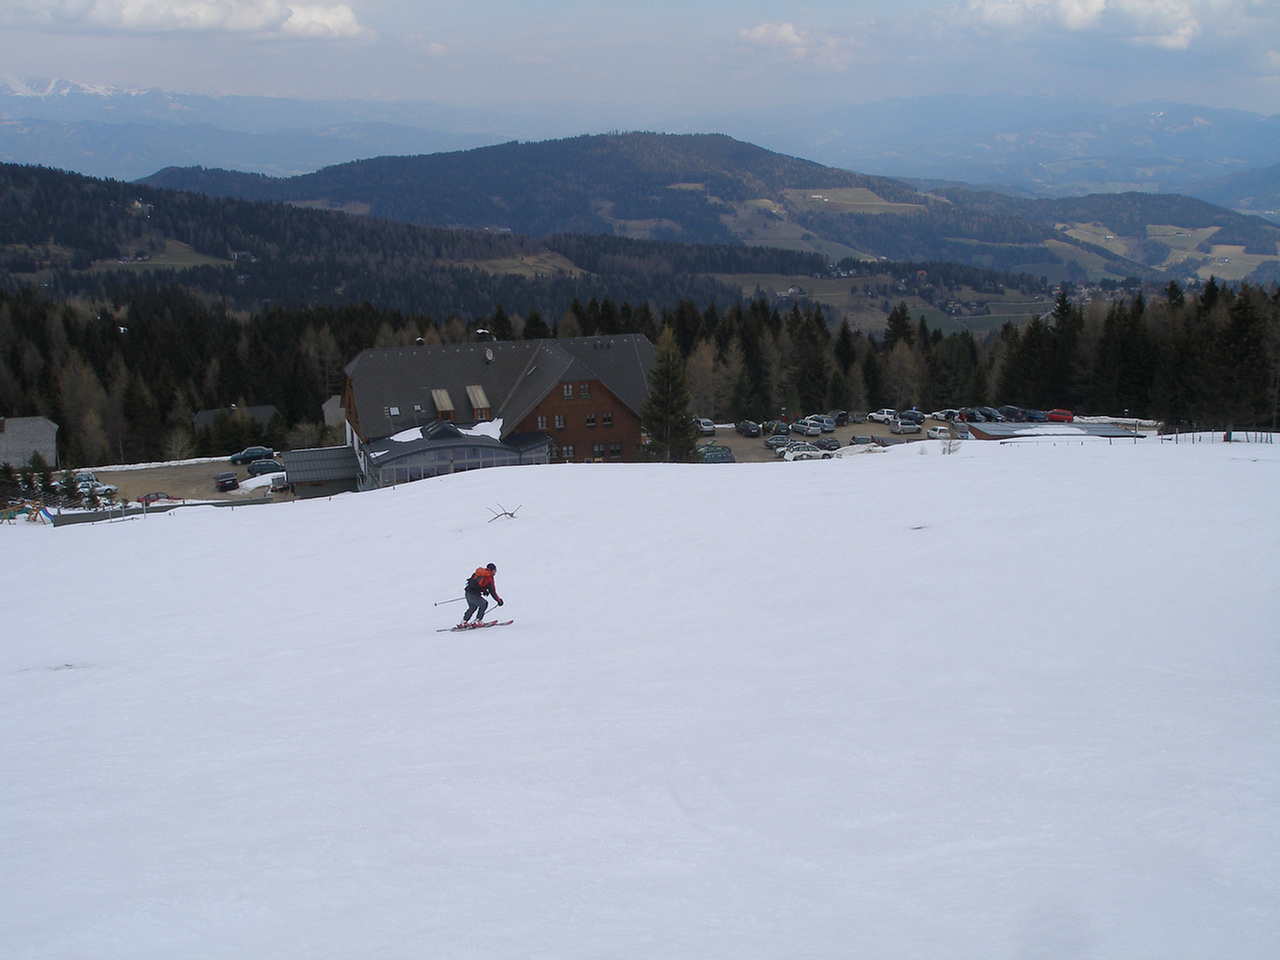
<point>482,580</point>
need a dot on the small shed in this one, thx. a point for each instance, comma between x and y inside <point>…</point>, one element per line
<point>321,471</point>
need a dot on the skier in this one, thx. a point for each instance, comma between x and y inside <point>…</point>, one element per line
<point>480,583</point>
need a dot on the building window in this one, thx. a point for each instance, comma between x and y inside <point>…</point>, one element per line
<point>542,423</point>
<point>597,451</point>
<point>584,391</point>
<point>615,451</point>
<point>607,418</point>
<point>591,419</point>
<point>567,452</point>
<point>568,391</point>
<point>559,421</point>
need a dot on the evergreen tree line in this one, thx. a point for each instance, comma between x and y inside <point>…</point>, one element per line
<point>123,378</point>
<point>1212,361</point>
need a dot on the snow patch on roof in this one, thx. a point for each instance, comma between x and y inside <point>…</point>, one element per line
<point>489,428</point>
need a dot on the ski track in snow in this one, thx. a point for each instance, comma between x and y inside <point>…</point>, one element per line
<point>1018,701</point>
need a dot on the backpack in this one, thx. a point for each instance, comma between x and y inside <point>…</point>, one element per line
<point>481,580</point>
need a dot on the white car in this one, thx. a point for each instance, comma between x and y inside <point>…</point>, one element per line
<point>886,415</point>
<point>87,483</point>
<point>805,451</point>
<point>938,433</point>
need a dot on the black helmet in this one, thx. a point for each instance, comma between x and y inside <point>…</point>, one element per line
<point>491,568</point>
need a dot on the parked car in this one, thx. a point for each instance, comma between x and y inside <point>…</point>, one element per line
<point>856,441</point>
<point>807,428</point>
<point>970,415</point>
<point>149,498</point>
<point>962,430</point>
<point>841,417</point>
<point>776,441</point>
<point>1035,416</point>
<point>704,427</point>
<point>904,426</point>
<point>914,415</point>
<point>885,415</point>
<point>250,454</point>
<point>712,453</point>
<point>748,428</point>
<point>227,481</point>
<point>805,451</point>
<point>938,433</point>
<point>102,491</point>
<point>825,423</point>
<point>87,484</point>
<point>1061,416</point>
<point>776,428</point>
<point>827,443</point>
<point>948,414</point>
<point>1010,412</point>
<point>991,414</point>
<point>259,467</point>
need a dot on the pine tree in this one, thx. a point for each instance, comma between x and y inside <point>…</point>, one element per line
<point>664,416</point>
<point>898,327</point>
<point>845,348</point>
<point>535,328</point>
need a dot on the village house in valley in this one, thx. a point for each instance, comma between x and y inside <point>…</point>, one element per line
<point>426,410</point>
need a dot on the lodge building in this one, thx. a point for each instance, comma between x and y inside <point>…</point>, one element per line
<point>426,410</point>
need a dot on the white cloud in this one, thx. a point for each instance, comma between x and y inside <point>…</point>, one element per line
<point>324,21</point>
<point>1173,24</point>
<point>777,36</point>
<point>829,50</point>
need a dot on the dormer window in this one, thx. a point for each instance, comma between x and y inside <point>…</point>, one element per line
<point>444,404</point>
<point>479,402</point>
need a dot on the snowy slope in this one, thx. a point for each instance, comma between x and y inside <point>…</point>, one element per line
<point>1019,701</point>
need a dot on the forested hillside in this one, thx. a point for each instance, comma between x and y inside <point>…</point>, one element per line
<point>713,189</point>
<point>71,233</point>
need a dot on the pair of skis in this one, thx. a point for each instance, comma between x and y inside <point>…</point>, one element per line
<point>478,625</point>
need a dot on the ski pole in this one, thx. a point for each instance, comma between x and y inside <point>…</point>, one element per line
<point>454,600</point>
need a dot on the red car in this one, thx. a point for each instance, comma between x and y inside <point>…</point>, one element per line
<point>1061,416</point>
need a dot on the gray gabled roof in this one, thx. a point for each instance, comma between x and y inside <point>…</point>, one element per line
<point>22,436</point>
<point>402,387</point>
<point>320,464</point>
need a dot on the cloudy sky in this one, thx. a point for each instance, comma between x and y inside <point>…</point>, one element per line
<point>657,58</point>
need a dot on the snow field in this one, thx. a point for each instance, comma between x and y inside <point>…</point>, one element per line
<point>1017,701</point>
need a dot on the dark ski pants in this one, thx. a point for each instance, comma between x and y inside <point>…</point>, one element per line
<point>475,603</point>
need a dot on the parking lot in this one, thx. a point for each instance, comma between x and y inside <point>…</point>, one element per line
<point>753,450</point>
<point>182,481</point>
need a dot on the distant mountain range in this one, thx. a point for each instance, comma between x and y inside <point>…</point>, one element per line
<point>1029,146</point>
<point>710,188</point>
